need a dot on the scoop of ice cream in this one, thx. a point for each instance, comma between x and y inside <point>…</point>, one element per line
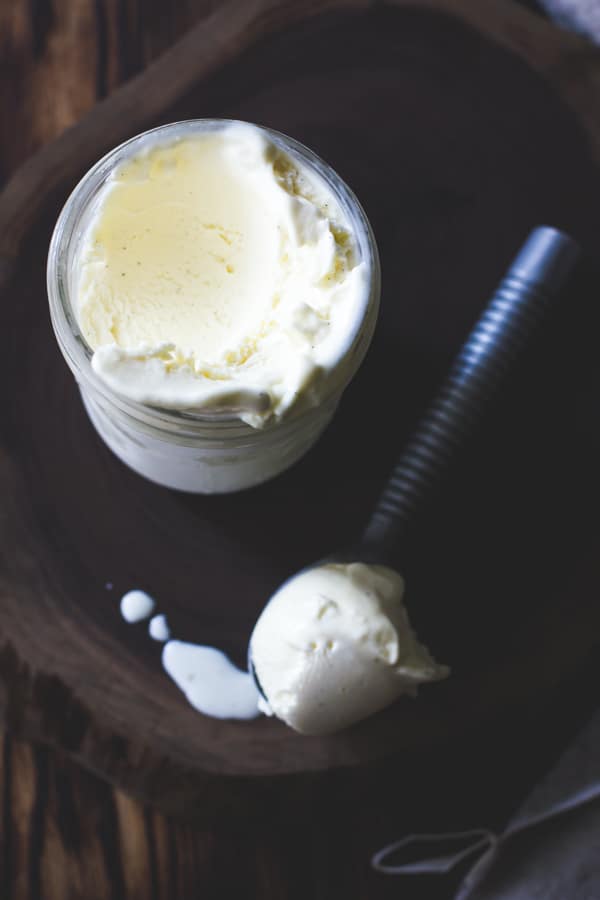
<point>334,645</point>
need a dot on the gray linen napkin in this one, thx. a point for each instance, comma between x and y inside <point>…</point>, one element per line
<point>550,849</point>
<point>579,15</point>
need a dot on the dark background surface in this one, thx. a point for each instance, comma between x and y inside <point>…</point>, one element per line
<point>66,834</point>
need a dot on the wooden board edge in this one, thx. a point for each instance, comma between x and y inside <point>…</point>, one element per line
<point>570,62</point>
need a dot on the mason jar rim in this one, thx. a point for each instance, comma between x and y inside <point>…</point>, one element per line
<point>78,353</point>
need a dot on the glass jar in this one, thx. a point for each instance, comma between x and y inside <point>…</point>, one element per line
<point>208,451</point>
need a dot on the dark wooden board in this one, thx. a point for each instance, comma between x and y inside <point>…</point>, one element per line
<point>456,149</point>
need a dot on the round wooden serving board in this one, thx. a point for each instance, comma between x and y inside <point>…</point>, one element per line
<point>456,148</point>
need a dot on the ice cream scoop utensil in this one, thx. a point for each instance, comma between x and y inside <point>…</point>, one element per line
<point>521,300</point>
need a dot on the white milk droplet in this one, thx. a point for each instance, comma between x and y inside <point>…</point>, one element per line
<point>136,605</point>
<point>210,681</point>
<point>158,629</point>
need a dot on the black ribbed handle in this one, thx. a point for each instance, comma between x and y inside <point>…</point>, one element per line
<point>536,275</point>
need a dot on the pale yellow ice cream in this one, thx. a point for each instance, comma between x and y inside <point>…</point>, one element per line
<point>335,645</point>
<point>217,272</point>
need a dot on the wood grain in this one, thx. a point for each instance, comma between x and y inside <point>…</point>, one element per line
<point>65,835</point>
<point>50,807</point>
<point>458,146</point>
<point>219,37</point>
<point>224,31</point>
<point>57,59</point>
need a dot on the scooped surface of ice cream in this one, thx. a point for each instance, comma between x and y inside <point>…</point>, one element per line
<point>216,272</point>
